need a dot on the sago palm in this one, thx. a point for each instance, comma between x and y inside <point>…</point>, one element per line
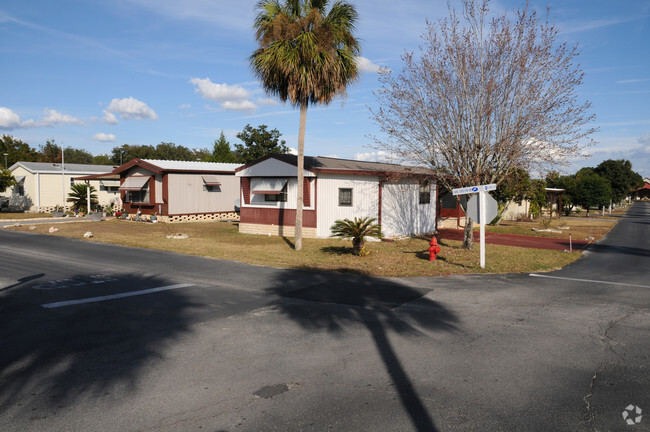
<point>306,55</point>
<point>79,197</point>
<point>357,230</point>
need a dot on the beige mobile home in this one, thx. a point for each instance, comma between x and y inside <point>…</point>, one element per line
<point>178,190</point>
<point>401,198</point>
<point>43,186</point>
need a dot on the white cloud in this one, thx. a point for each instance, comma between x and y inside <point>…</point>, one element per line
<point>293,151</point>
<point>128,109</point>
<point>185,106</point>
<point>52,117</point>
<point>230,97</point>
<point>245,106</point>
<point>104,137</point>
<point>9,119</point>
<point>366,65</point>
<point>234,15</point>
<point>267,102</point>
<point>109,118</point>
<point>378,156</point>
<point>632,81</point>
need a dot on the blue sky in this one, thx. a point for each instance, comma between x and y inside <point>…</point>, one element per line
<point>96,74</point>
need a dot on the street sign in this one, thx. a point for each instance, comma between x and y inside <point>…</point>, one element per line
<point>474,189</point>
<point>490,208</point>
<point>484,205</point>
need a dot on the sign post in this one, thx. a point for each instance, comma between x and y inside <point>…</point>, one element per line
<point>482,213</point>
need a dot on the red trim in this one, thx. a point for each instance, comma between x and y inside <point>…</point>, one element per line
<point>263,192</point>
<point>165,188</point>
<point>152,190</point>
<point>246,189</point>
<point>306,192</point>
<point>276,216</point>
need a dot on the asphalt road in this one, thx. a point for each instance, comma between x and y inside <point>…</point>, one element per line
<point>104,338</point>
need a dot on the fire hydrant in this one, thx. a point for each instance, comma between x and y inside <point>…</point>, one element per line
<point>433,249</point>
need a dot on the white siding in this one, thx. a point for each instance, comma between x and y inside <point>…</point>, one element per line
<point>45,189</point>
<point>158,188</point>
<point>401,213</point>
<point>139,171</point>
<point>187,194</point>
<point>365,199</point>
<point>272,168</point>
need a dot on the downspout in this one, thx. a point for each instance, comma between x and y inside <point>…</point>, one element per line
<point>38,192</point>
<point>381,188</point>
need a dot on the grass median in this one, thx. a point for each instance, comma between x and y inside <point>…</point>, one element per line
<point>403,258</point>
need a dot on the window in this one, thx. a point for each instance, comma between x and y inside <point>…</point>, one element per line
<point>277,197</point>
<point>425,192</point>
<point>211,183</point>
<point>71,181</point>
<point>448,201</point>
<point>140,196</point>
<point>345,197</point>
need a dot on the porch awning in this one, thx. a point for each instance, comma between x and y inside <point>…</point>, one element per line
<point>269,186</point>
<point>109,183</point>
<point>211,180</point>
<point>19,179</point>
<point>134,183</point>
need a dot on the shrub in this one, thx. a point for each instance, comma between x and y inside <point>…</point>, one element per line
<point>357,230</point>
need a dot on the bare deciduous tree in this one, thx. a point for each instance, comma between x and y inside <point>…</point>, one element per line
<point>485,97</point>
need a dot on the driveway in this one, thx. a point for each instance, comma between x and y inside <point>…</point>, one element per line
<point>105,338</point>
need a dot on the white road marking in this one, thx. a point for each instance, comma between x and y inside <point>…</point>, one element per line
<point>588,280</point>
<point>114,296</point>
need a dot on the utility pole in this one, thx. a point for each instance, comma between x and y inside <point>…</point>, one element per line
<point>63,177</point>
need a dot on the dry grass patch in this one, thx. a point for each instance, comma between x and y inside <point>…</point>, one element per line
<point>580,228</point>
<point>23,216</point>
<point>223,241</point>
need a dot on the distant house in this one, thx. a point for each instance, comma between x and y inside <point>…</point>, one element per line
<point>644,191</point>
<point>178,190</point>
<point>42,186</point>
<point>402,198</point>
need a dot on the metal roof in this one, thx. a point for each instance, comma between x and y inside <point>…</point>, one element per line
<point>322,163</point>
<point>167,165</point>
<point>47,167</point>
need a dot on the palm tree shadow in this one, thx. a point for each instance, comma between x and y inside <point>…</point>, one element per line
<point>331,302</point>
<point>65,354</point>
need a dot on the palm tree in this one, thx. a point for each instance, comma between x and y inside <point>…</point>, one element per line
<point>305,55</point>
<point>79,198</point>
<point>357,229</point>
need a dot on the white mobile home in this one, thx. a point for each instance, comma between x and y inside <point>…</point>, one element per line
<point>41,186</point>
<point>402,198</point>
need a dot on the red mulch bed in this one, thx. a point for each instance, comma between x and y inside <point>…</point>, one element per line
<point>515,240</point>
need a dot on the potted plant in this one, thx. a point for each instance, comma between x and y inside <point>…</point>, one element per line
<point>96,215</point>
<point>58,211</point>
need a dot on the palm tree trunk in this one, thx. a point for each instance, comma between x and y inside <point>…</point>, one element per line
<point>468,235</point>
<point>301,165</point>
